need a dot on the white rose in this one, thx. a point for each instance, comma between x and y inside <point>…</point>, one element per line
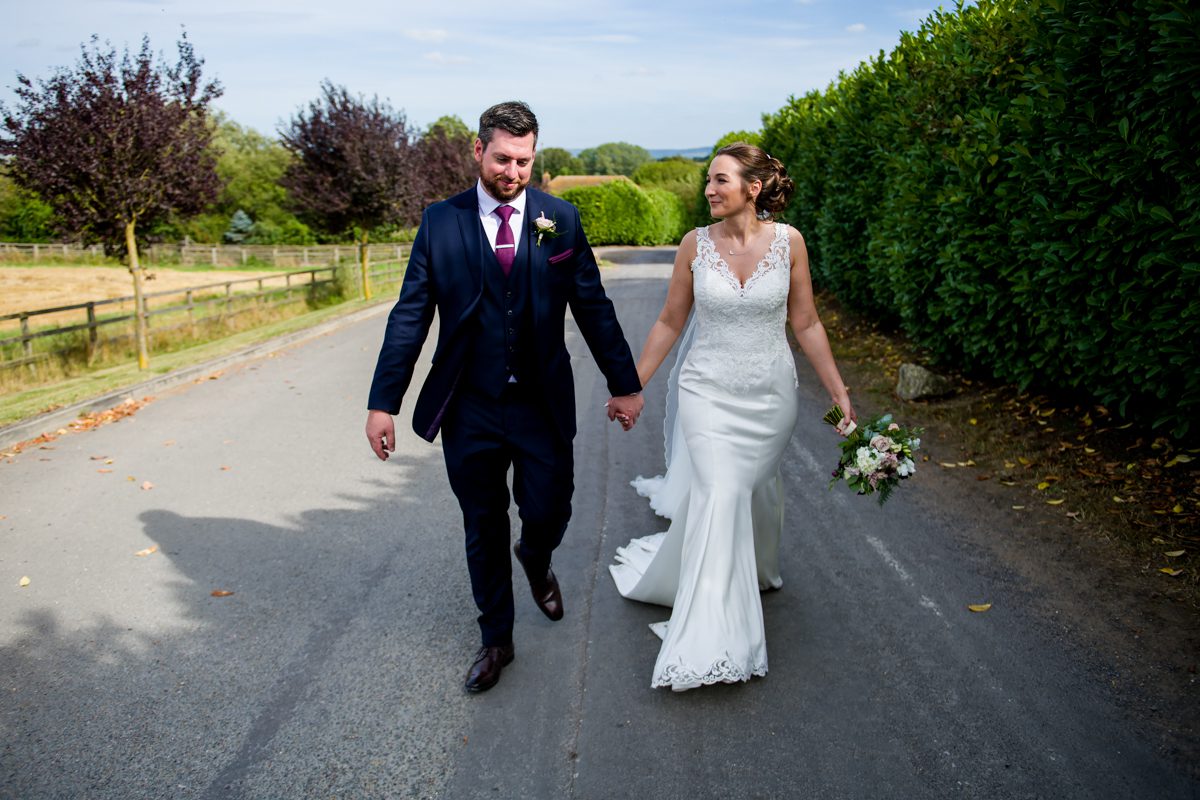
<point>543,224</point>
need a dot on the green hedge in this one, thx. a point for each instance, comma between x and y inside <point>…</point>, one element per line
<point>1017,186</point>
<point>620,212</point>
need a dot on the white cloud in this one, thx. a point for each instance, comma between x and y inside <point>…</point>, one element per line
<point>438,57</point>
<point>426,34</point>
<point>857,27</point>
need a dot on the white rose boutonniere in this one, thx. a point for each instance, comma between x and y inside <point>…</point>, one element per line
<point>543,226</point>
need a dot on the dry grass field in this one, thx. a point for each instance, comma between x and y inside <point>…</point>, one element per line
<point>31,288</point>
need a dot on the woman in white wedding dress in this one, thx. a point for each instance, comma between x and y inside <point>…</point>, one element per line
<point>732,406</point>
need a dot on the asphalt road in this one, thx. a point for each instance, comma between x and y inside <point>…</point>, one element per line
<point>334,669</point>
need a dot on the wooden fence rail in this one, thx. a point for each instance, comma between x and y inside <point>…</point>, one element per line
<point>266,292</point>
<point>216,256</point>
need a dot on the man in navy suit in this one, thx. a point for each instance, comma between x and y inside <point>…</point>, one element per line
<point>500,263</point>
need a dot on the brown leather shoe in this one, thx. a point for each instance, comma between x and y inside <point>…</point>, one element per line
<point>545,589</point>
<point>485,669</point>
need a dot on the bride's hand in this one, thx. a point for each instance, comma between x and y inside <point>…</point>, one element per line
<point>849,419</point>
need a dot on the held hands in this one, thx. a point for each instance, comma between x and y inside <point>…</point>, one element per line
<point>625,410</point>
<point>381,433</point>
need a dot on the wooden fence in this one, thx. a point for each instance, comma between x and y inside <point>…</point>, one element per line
<point>216,256</point>
<point>219,301</point>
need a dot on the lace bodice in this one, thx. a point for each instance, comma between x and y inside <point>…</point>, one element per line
<point>740,328</point>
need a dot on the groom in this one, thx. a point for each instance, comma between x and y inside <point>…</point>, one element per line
<point>500,263</point>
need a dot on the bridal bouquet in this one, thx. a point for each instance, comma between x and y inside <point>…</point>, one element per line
<point>876,455</point>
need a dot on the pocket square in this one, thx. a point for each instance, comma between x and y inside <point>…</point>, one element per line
<point>563,256</point>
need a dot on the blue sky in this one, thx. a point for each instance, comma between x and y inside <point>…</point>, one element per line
<point>661,75</point>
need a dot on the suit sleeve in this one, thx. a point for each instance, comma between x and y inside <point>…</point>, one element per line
<point>407,326</point>
<point>597,319</point>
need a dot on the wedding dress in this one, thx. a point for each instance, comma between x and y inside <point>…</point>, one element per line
<point>732,406</point>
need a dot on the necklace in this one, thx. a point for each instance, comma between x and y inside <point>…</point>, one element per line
<point>753,237</point>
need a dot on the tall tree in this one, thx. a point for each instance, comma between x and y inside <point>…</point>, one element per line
<point>115,146</point>
<point>556,161</point>
<point>354,167</point>
<point>614,158</point>
<point>447,163</point>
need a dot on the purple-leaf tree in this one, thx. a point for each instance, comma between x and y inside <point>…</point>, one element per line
<point>354,167</point>
<point>114,146</point>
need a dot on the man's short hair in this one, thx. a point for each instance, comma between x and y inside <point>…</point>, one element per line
<point>512,117</point>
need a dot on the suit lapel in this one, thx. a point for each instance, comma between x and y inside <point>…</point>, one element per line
<point>537,262</point>
<point>471,231</point>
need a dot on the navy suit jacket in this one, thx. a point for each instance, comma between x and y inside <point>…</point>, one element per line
<point>445,272</point>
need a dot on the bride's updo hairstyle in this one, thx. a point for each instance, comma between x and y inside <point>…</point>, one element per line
<point>756,165</point>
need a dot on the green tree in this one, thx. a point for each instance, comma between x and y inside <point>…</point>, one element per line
<point>556,161</point>
<point>681,177</point>
<point>240,228</point>
<point>23,217</point>
<point>614,158</point>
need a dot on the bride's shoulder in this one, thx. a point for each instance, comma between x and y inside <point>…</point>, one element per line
<point>794,236</point>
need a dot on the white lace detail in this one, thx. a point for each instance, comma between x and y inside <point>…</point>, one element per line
<point>723,670</point>
<point>730,345</point>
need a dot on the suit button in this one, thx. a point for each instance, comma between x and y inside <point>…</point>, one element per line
<point>511,332</point>
<point>510,312</point>
<point>508,294</point>
<point>510,349</point>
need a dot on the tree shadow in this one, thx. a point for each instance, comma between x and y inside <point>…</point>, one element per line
<point>333,668</point>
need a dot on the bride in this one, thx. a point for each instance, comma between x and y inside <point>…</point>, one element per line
<point>732,405</point>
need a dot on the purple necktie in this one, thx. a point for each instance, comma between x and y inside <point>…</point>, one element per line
<point>505,248</point>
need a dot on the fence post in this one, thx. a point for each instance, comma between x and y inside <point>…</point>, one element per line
<point>35,252</point>
<point>26,342</point>
<point>243,256</point>
<point>274,256</point>
<point>214,256</point>
<point>304,260</point>
<point>228,300</point>
<point>191,312</point>
<point>92,333</point>
<point>259,300</point>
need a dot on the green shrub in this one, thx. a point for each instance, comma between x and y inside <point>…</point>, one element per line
<point>683,178</point>
<point>1016,186</point>
<point>619,212</point>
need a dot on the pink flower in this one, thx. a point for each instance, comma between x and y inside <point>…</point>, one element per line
<point>882,443</point>
<point>893,427</point>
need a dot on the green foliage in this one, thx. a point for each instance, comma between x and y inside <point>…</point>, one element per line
<point>619,212</point>
<point>698,205</point>
<point>684,179</point>
<point>23,217</point>
<point>614,158</point>
<point>556,161</point>
<point>451,127</point>
<point>1016,186</point>
<point>749,137</point>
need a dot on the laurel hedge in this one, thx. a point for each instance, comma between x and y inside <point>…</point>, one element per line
<point>1016,185</point>
<point>620,212</point>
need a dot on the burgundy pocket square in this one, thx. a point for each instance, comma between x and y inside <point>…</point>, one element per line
<point>563,256</point>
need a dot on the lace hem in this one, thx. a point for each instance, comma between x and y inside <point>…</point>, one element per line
<point>723,670</point>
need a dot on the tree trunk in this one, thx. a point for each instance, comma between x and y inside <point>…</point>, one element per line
<point>139,302</point>
<point>366,277</point>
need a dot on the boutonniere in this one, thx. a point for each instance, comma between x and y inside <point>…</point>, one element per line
<point>545,227</point>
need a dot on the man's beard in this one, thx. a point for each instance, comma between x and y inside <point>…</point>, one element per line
<point>499,191</point>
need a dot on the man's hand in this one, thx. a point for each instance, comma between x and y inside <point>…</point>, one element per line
<point>381,433</point>
<point>625,410</point>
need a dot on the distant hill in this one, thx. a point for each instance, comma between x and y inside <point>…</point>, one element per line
<point>696,153</point>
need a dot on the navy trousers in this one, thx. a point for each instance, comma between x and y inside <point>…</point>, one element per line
<point>482,437</point>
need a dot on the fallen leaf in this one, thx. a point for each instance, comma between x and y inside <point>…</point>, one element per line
<point>1178,509</point>
<point>973,421</point>
<point>979,607</point>
<point>1159,540</point>
<point>220,593</point>
<point>1043,485</point>
<point>1170,571</point>
<point>224,468</point>
<point>1179,459</point>
<point>983,477</point>
<point>1018,508</point>
<point>1174,553</point>
<point>1024,461</point>
<point>1123,427</point>
<point>98,458</point>
<point>1009,464</point>
<point>1049,412</point>
<point>947,464</point>
<point>1009,483</point>
<point>1075,515</point>
<point>24,581</point>
<point>130,478</point>
<point>151,549</point>
<point>168,442</point>
<point>147,486</point>
<point>1057,502</point>
<point>1090,451</point>
<point>104,470</point>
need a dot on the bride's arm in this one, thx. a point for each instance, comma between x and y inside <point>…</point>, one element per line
<point>674,314</point>
<point>807,327</point>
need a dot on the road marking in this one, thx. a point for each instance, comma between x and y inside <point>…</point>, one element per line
<point>890,560</point>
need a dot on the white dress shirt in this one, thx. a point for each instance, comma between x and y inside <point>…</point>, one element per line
<point>491,220</point>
